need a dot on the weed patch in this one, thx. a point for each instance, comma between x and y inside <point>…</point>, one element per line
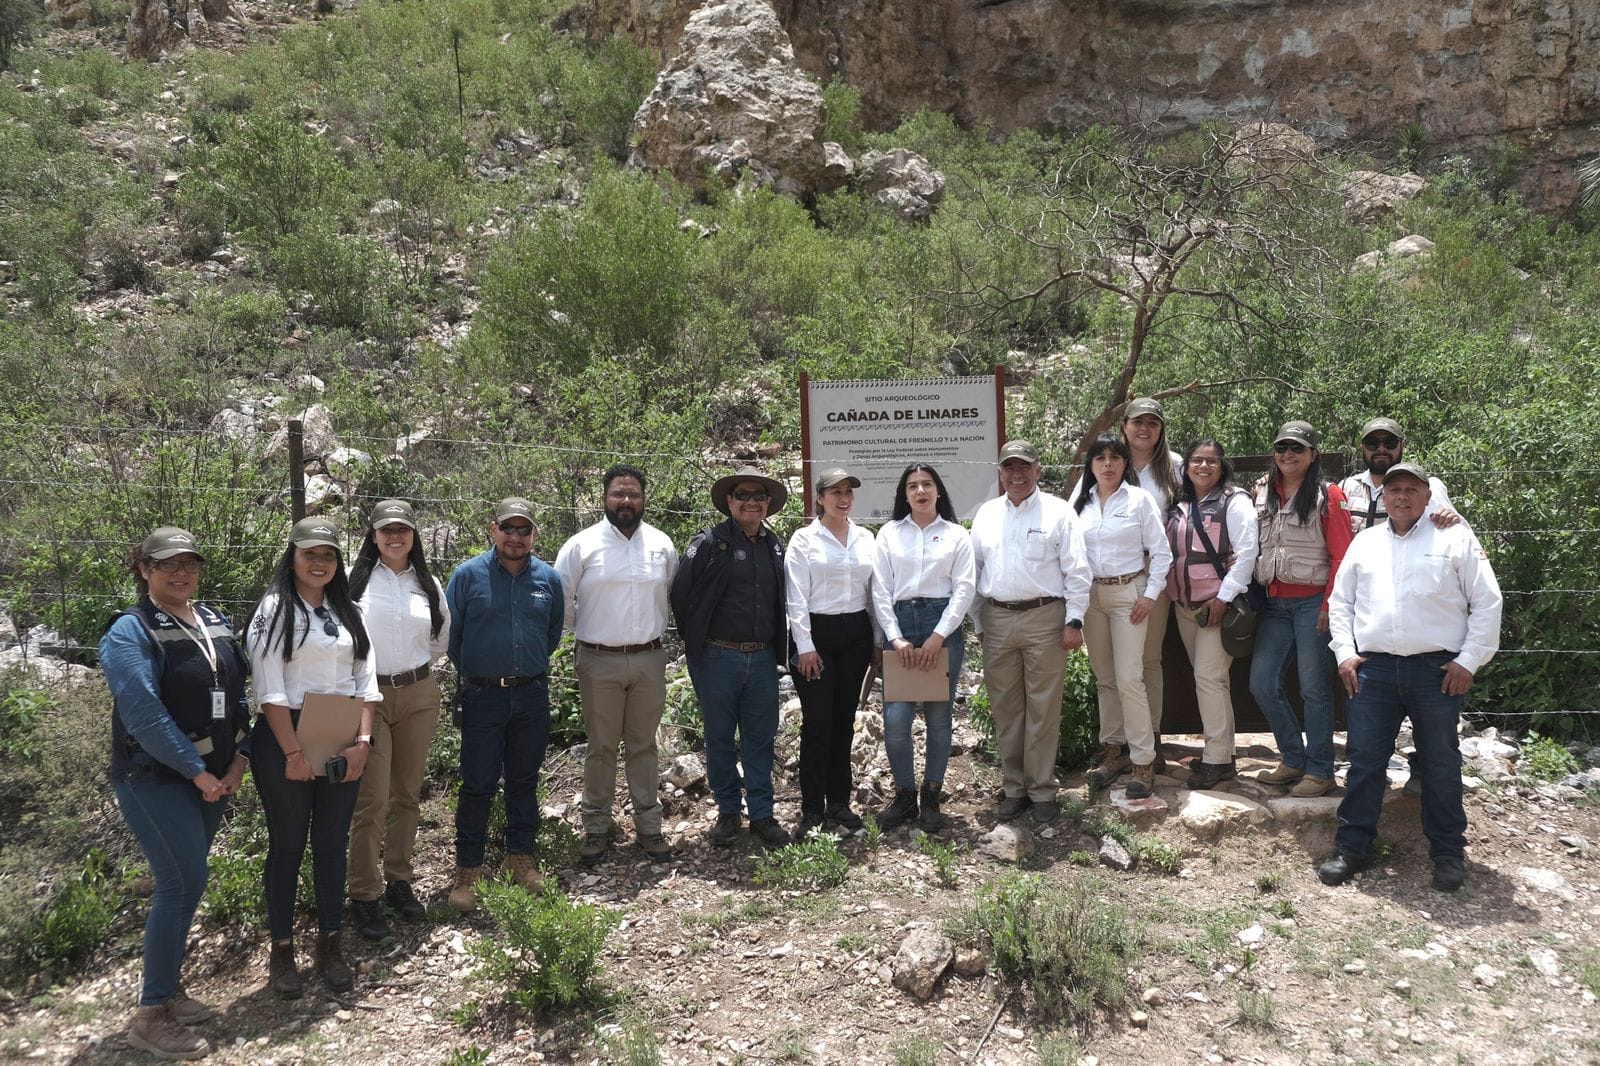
<point>545,953</point>
<point>814,864</point>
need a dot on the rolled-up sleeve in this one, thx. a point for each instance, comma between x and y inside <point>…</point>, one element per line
<point>128,657</point>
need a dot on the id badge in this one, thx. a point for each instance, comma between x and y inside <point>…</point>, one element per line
<point>219,705</point>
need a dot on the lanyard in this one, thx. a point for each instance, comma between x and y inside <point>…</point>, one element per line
<point>208,648</point>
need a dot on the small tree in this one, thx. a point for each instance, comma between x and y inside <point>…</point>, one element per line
<point>18,20</point>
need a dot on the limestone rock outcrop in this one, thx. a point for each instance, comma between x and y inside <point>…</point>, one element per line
<point>902,181</point>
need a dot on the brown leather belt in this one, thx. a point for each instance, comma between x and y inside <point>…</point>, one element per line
<point>1025,605</point>
<point>1123,580</point>
<point>733,645</point>
<point>410,677</point>
<point>621,649</point>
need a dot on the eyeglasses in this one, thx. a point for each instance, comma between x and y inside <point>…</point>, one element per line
<point>174,566</point>
<point>623,494</point>
<point>747,496</point>
<point>516,531</point>
<point>329,626</point>
<point>1288,446</point>
<point>1374,443</point>
<point>1204,460</point>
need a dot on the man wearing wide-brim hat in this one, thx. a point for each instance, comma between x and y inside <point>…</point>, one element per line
<point>728,598</point>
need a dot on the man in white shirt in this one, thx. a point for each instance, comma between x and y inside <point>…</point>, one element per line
<point>616,574</point>
<point>1033,590</point>
<point>1414,615</point>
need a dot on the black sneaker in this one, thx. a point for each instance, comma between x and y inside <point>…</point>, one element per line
<point>1342,867</point>
<point>769,832</point>
<point>726,829</point>
<point>370,920</point>
<point>399,896</point>
<point>844,818</point>
<point>1046,811</point>
<point>903,809</point>
<point>1448,873</point>
<point>1208,774</point>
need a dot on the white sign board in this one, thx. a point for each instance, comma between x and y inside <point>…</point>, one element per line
<point>875,429</point>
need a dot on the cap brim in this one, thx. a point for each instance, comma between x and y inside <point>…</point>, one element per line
<point>775,488</point>
<point>168,553</point>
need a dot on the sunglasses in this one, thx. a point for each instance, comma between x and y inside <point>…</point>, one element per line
<point>174,566</point>
<point>329,626</point>
<point>1374,443</point>
<point>1288,446</point>
<point>516,531</point>
<point>746,496</point>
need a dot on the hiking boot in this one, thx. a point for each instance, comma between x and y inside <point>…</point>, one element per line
<point>331,964</point>
<point>595,846</point>
<point>1011,806</point>
<point>903,809</point>
<point>464,896</point>
<point>1282,774</point>
<point>371,922</point>
<point>769,832</point>
<point>844,818</point>
<point>155,1030</point>
<point>1342,867</point>
<point>1143,782</point>
<point>1413,787</point>
<point>1449,871</point>
<point>655,847</point>
<point>809,820</point>
<point>1045,811</point>
<point>1112,762</point>
<point>398,895</point>
<point>1209,774</point>
<point>523,871</point>
<point>187,1010</point>
<point>282,975</point>
<point>726,829</point>
<point>930,819</point>
<point>1311,785</point>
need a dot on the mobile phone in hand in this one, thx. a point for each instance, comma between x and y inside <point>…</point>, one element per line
<point>337,767</point>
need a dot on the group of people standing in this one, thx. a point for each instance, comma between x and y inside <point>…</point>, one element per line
<point>1145,532</point>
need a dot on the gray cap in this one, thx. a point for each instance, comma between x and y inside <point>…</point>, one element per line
<point>1386,424</point>
<point>835,475</point>
<point>1299,432</point>
<point>1405,468</point>
<point>1018,449</point>
<point>314,533</point>
<point>392,513</point>
<point>514,507</point>
<point>1146,406</point>
<point>168,541</point>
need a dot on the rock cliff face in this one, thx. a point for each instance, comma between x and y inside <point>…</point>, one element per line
<point>1473,73</point>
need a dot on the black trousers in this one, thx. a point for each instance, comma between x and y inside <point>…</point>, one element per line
<point>828,708</point>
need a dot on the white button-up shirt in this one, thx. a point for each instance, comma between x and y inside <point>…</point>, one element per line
<point>1144,479</point>
<point>1120,532</point>
<point>321,663</point>
<point>395,610</point>
<point>1428,590</point>
<point>915,563</point>
<point>1032,549</point>
<point>823,576</point>
<point>615,585</point>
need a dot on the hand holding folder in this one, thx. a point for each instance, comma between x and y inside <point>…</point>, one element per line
<point>328,725</point>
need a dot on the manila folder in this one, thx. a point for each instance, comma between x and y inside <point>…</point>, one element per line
<point>915,686</point>
<point>328,725</point>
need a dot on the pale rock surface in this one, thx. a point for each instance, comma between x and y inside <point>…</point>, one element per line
<point>1369,195</point>
<point>1007,842</point>
<point>902,181</point>
<point>923,957</point>
<point>1114,855</point>
<point>687,772</point>
<point>1300,810</point>
<point>1208,814</point>
<point>1405,248</point>
<point>319,437</point>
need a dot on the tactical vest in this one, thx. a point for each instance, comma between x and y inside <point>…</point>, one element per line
<point>184,680</point>
<point>1193,579</point>
<point>1292,551</point>
<point>1366,506</point>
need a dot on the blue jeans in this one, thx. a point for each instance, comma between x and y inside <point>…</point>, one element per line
<point>917,618</point>
<point>738,691</point>
<point>1393,687</point>
<point>1288,628</point>
<point>174,826</point>
<point>502,730</point>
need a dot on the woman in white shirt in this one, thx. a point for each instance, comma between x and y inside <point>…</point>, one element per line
<point>1129,558</point>
<point>923,581</point>
<point>406,616</point>
<point>305,637</point>
<point>828,578</point>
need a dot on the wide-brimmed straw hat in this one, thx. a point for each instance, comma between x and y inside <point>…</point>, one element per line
<point>724,485</point>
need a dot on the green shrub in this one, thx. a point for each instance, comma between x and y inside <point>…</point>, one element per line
<point>918,1050</point>
<point>545,953</point>
<point>18,21</point>
<point>1157,854</point>
<point>1544,759</point>
<point>1080,715</point>
<point>813,864</point>
<point>21,709</point>
<point>77,919</point>
<point>945,859</point>
<point>841,114</point>
<point>340,274</point>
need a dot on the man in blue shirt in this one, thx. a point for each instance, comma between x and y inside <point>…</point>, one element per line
<point>506,609</point>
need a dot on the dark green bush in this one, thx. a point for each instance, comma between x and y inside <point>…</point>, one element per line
<point>545,954</point>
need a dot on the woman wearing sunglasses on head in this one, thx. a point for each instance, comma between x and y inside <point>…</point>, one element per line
<point>177,679</point>
<point>306,636</point>
<point>1305,529</point>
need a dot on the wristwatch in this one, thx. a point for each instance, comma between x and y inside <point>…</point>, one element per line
<point>1076,623</point>
<point>365,738</point>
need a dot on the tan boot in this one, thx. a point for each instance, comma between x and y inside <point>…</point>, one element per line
<point>155,1030</point>
<point>1143,782</point>
<point>464,897</point>
<point>188,1010</point>
<point>523,871</point>
<point>1281,775</point>
<point>1112,762</point>
<point>1311,785</point>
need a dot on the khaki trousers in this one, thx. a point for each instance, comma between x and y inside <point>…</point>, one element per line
<point>388,810</point>
<point>1116,651</point>
<point>1155,636</point>
<point>623,698</point>
<point>1211,665</point>
<point>1023,664</point>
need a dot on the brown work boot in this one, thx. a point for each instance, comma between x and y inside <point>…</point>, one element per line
<point>1311,785</point>
<point>1281,775</point>
<point>188,1010</point>
<point>464,897</point>
<point>523,871</point>
<point>155,1030</point>
<point>1111,763</point>
<point>331,964</point>
<point>282,976</point>
<point>1143,782</point>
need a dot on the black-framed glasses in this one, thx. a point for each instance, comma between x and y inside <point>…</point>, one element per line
<point>325,616</point>
<point>174,566</point>
<point>1204,460</point>
<point>516,531</point>
<point>749,496</point>
<point>1374,443</point>
<point>1288,446</point>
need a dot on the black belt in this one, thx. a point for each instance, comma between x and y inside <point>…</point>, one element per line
<point>621,649</point>
<point>1025,605</point>
<point>503,682</point>
<point>734,645</point>
<point>407,678</point>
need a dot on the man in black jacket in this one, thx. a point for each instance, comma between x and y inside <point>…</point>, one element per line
<point>728,598</point>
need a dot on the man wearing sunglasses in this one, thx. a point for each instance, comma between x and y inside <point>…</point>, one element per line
<point>506,609</point>
<point>1383,444</point>
<point>728,597</point>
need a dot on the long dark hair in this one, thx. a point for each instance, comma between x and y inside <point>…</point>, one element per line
<point>1106,442</point>
<point>1307,498</point>
<point>1224,475</point>
<point>288,612</point>
<point>902,506</point>
<point>367,558</point>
